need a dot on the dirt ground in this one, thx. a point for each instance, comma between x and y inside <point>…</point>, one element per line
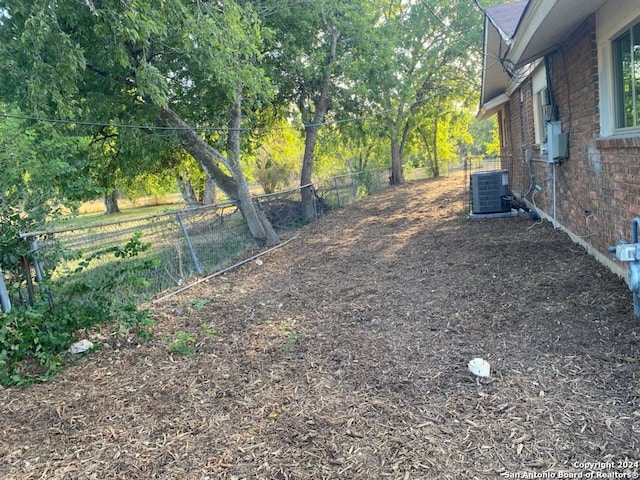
<point>343,355</point>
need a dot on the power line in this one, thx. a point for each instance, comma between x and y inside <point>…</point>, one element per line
<point>515,74</point>
<point>203,129</point>
<point>211,129</point>
<point>493,55</point>
<point>105,125</point>
<point>478,6</point>
<point>85,123</point>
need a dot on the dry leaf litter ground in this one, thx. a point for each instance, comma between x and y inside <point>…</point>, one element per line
<point>344,356</point>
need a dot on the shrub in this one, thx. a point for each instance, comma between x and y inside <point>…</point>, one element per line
<point>34,338</point>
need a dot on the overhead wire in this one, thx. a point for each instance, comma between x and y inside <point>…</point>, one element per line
<point>204,129</point>
<point>489,55</point>
<point>517,75</point>
<point>85,123</point>
<point>448,27</point>
<point>514,73</point>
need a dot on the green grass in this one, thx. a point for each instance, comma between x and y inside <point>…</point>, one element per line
<point>92,219</point>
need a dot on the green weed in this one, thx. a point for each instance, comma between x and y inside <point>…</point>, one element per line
<point>208,331</point>
<point>291,336</point>
<point>183,344</point>
<point>200,304</point>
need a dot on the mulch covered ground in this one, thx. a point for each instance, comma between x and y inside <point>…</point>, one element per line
<point>343,355</point>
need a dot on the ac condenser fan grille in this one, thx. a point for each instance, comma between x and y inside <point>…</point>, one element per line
<point>489,191</point>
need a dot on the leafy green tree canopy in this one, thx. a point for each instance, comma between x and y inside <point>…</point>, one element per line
<point>163,65</point>
<point>114,60</point>
<point>41,172</point>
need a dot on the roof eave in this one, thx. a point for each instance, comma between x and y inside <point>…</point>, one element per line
<point>492,106</point>
<point>533,16</point>
<point>495,81</point>
<point>545,24</point>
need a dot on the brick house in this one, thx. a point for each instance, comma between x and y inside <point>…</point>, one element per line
<point>563,77</point>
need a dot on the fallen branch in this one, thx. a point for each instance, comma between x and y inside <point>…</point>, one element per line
<point>224,270</point>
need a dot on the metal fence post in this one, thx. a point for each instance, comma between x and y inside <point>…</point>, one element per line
<point>192,252</point>
<point>36,264</point>
<point>335,183</point>
<point>5,302</point>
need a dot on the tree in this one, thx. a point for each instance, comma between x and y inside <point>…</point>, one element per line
<point>486,138</point>
<point>308,56</point>
<point>422,59</point>
<point>127,63</point>
<point>277,156</point>
<point>196,187</point>
<point>41,173</point>
<point>442,128</point>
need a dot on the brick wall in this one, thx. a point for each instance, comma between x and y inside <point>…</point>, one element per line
<point>598,185</point>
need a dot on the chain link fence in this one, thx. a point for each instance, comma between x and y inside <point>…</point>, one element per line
<point>181,244</point>
<point>189,242</point>
<point>475,164</point>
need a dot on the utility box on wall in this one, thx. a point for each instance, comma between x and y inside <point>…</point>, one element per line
<point>557,142</point>
<point>490,192</point>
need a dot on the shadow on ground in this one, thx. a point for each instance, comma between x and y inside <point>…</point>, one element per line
<point>344,355</point>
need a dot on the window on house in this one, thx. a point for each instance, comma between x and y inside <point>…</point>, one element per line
<point>542,104</point>
<point>626,69</point>
<point>541,107</point>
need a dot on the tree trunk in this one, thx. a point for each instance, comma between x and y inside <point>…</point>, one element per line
<point>111,203</point>
<point>306,173</point>
<point>311,133</point>
<point>436,167</point>
<point>210,159</point>
<point>209,195</point>
<point>188,193</point>
<point>257,221</point>
<point>398,139</point>
<point>429,155</point>
<point>397,175</point>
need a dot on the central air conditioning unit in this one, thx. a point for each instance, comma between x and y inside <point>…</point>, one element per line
<point>490,192</point>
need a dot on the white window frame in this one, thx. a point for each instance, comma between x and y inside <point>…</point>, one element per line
<point>541,105</point>
<point>613,19</point>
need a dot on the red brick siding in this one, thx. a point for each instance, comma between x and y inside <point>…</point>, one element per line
<point>598,186</point>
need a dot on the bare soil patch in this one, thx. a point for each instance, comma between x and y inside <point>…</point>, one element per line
<point>344,356</point>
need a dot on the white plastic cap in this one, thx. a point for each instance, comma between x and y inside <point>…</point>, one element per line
<point>480,367</point>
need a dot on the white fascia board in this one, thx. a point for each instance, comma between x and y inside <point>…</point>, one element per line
<point>494,78</point>
<point>535,14</point>
<point>485,41</point>
<point>492,106</point>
